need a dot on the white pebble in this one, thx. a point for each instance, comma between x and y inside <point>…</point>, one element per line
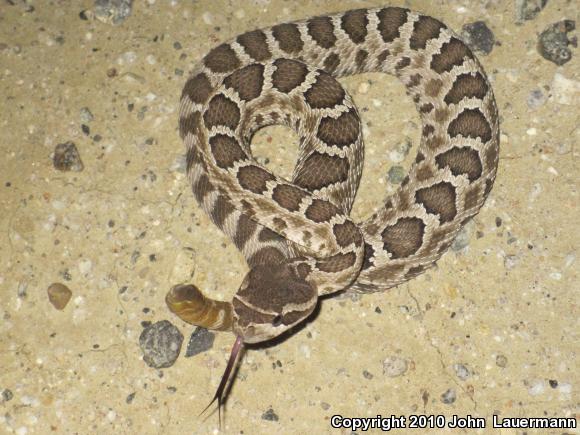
<point>565,388</point>
<point>151,59</point>
<point>85,266</point>
<point>557,276</point>
<point>239,14</point>
<point>58,205</point>
<point>531,131</point>
<point>461,371</point>
<point>29,400</point>
<point>394,366</point>
<point>111,415</point>
<point>564,90</point>
<point>536,388</point>
<point>305,349</point>
<point>363,88</point>
<point>127,57</point>
<point>569,260</point>
<point>536,98</point>
<point>207,18</point>
<point>536,190</point>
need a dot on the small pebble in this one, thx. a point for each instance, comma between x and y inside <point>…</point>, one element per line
<point>130,398</point>
<point>478,37</point>
<point>363,88</point>
<point>394,366</point>
<point>21,291</point>
<point>59,295</point>
<point>112,11</point>
<point>396,174</point>
<point>179,164</point>
<point>449,396</point>
<point>367,374</point>
<point>201,340</point>
<point>67,158</point>
<point>565,388</point>
<point>461,240</point>
<point>461,371</point>
<point>7,395</point>
<point>501,361</point>
<point>160,344</point>
<point>569,260</point>
<point>85,266</point>
<point>553,42</point>
<point>401,151</point>
<point>556,276</point>
<point>325,406</point>
<point>511,261</point>
<point>529,9</point>
<point>86,115</point>
<point>536,388</point>
<point>536,99</point>
<point>564,90</point>
<point>270,415</point>
<point>207,18</point>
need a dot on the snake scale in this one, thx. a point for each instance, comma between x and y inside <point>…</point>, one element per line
<point>296,235</point>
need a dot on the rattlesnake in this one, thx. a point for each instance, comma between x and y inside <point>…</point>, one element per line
<point>297,236</point>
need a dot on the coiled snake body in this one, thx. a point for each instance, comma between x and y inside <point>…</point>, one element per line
<point>297,236</point>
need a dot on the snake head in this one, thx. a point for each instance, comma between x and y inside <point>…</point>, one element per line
<point>271,300</point>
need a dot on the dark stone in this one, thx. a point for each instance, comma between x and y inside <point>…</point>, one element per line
<point>368,375</point>
<point>529,9</point>
<point>7,395</point>
<point>270,415</point>
<point>201,340</point>
<point>67,158</point>
<point>160,344</point>
<point>478,37</point>
<point>449,396</point>
<point>553,42</point>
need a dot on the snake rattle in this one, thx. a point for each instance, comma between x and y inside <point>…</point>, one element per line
<point>297,236</point>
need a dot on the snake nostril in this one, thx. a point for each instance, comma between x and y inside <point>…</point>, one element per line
<point>277,320</point>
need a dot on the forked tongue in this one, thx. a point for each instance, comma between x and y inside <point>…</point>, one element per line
<point>222,388</point>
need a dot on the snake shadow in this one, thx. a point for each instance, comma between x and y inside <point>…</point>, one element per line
<point>293,331</point>
<point>275,342</point>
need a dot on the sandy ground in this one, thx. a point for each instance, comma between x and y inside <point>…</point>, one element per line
<point>493,330</point>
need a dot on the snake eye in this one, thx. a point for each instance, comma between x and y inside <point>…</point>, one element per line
<point>277,320</point>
